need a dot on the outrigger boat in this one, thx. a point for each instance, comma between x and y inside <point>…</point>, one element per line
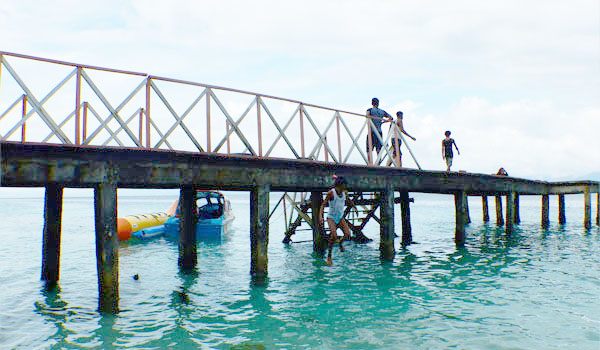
<point>214,219</point>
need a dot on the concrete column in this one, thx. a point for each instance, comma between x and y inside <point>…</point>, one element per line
<point>405,212</point>
<point>499,218</point>
<point>587,208</point>
<point>51,241</point>
<point>107,247</point>
<point>259,230</point>
<point>545,211</point>
<point>510,199</point>
<point>484,206</point>
<point>319,241</point>
<point>188,254</point>
<point>598,209</point>
<point>516,210</point>
<point>562,218</point>
<point>386,242</point>
<point>459,204</point>
<point>467,216</point>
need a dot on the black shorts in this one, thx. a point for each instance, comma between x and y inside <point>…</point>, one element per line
<point>375,140</point>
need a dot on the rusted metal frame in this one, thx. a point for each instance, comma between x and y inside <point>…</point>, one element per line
<point>321,137</point>
<point>276,206</point>
<point>178,119</point>
<point>354,142</point>
<point>301,132</point>
<point>233,125</point>
<point>147,110</point>
<point>114,112</point>
<point>384,145</point>
<point>230,130</point>
<point>322,141</point>
<point>259,124</point>
<point>38,105</point>
<point>299,210</point>
<point>64,63</point>
<point>406,144</point>
<point>97,115</point>
<point>281,131</point>
<point>78,106</point>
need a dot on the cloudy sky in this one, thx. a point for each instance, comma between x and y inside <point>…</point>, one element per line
<point>517,82</point>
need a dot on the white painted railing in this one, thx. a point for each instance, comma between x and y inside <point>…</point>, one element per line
<point>60,102</point>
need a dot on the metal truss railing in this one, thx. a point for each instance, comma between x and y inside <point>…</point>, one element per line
<point>156,113</point>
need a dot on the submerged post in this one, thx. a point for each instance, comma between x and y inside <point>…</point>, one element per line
<point>499,219</point>
<point>259,230</point>
<point>405,212</point>
<point>484,207</point>
<point>562,218</point>
<point>598,209</point>
<point>516,210</point>
<point>587,208</point>
<point>51,240</point>
<point>386,243</point>
<point>459,204</point>
<point>188,255</point>
<point>107,247</point>
<point>319,242</point>
<point>467,216</point>
<point>545,211</point>
<point>509,212</point>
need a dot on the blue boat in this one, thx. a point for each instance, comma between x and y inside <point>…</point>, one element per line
<point>214,217</point>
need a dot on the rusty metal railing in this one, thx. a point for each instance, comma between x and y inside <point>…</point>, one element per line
<point>53,101</point>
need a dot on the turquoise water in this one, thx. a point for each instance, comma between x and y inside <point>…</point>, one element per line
<point>538,289</point>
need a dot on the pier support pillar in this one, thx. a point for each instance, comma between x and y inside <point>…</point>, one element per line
<point>188,254</point>
<point>562,218</point>
<point>259,230</point>
<point>319,241</point>
<point>386,242</point>
<point>51,240</point>
<point>499,218</point>
<point>484,207</point>
<point>516,210</point>
<point>545,211</point>
<point>510,220</point>
<point>467,216</point>
<point>587,208</point>
<point>107,247</point>
<point>459,203</point>
<point>598,209</point>
<point>405,212</point>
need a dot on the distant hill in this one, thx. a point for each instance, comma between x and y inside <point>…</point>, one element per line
<point>594,176</point>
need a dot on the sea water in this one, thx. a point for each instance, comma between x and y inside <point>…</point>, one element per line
<point>536,289</point>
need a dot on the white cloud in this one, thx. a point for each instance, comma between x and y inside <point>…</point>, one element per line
<point>516,82</point>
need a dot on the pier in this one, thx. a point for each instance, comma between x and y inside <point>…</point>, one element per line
<point>60,152</point>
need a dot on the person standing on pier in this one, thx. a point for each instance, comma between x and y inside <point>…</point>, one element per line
<point>378,116</point>
<point>447,149</point>
<point>336,197</point>
<point>396,141</point>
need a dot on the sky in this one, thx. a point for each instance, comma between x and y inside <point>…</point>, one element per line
<point>517,82</point>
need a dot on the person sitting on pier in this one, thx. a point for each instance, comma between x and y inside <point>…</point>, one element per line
<point>378,116</point>
<point>335,216</point>
<point>447,149</point>
<point>397,142</point>
<point>502,172</point>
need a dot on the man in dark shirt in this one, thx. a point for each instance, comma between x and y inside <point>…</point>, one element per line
<point>378,116</point>
<point>447,149</point>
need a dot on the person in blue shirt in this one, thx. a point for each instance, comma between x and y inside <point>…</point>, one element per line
<point>378,116</point>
